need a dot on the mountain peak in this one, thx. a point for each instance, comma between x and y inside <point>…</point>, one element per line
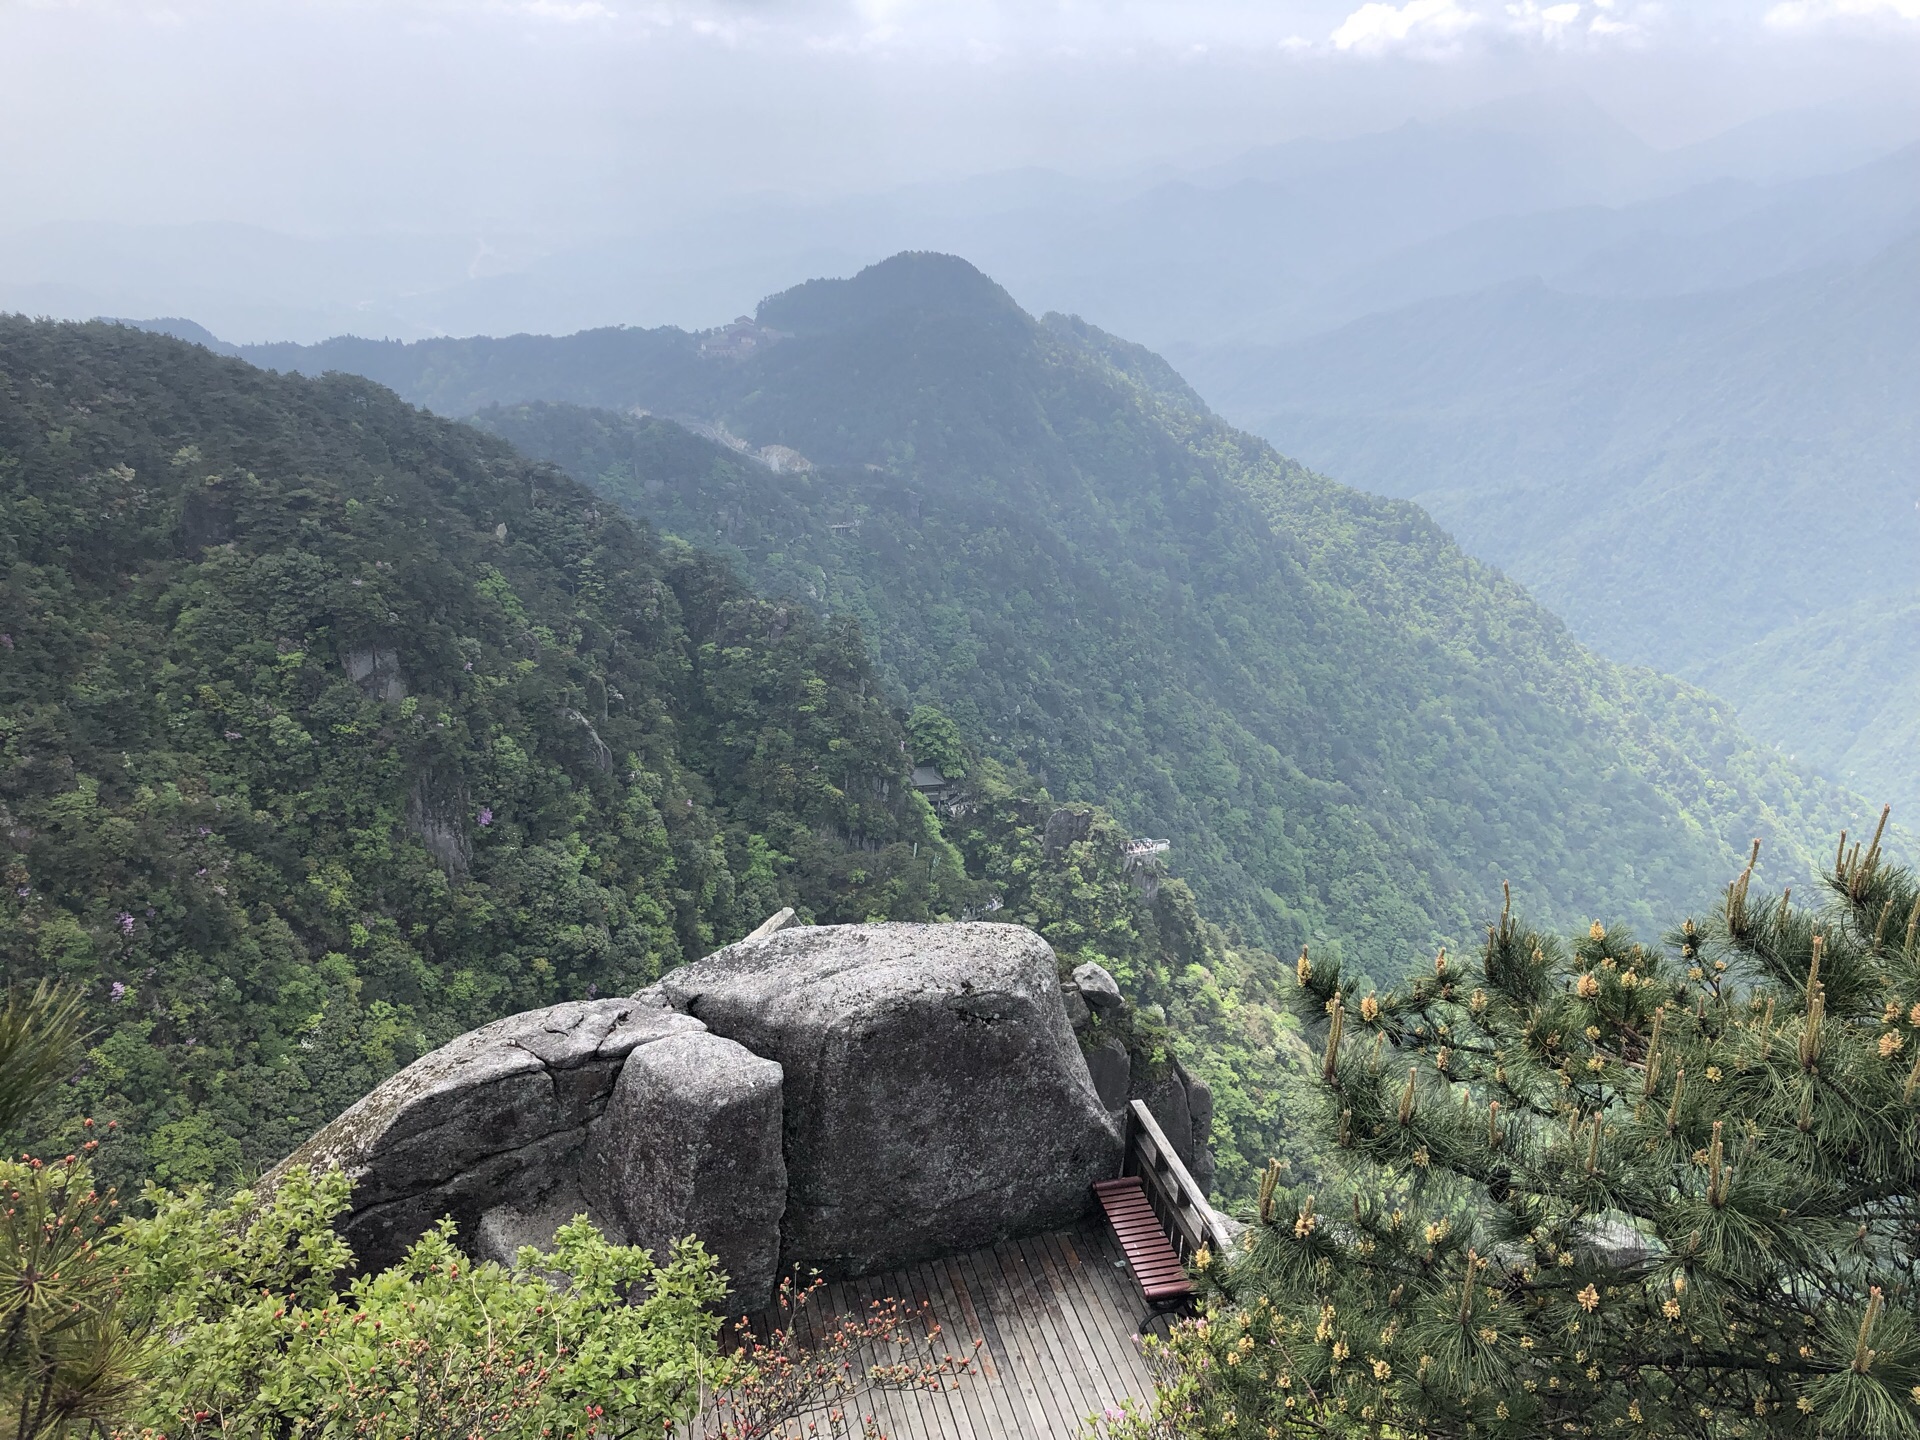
<point>180,329</point>
<point>917,282</point>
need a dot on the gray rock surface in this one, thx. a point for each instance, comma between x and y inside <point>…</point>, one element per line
<point>1613,1242</point>
<point>1065,827</point>
<point>935,1097</point>
<point>508,1226</point>
<point>498,1116</point>
<point>1079,1016</point>
<point>1183,1105</point>
<point>1199,1106</point>
<point>1112,1070</point>
<point>691,1145</point>
<point>376,672</point>
<point>845,1098</point>
<point>1098,988</point>
<point>1166,1097</point>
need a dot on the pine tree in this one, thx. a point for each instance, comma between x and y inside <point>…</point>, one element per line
<point>1598,1188</point>
<point>68,1361</point>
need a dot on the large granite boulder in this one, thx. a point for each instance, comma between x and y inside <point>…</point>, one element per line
<point>846,1098</point>
<point>498,1117</point>
<point>691,1144</point>
<point>1111,1067</point>
<point>936,1099</point>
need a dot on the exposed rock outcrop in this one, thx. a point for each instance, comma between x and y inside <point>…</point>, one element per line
<point>1183,1105</point>
<point>1111,1067</point>
<point>936,1098</point>
<point>376,670</point>
<point>691,1144</point>
<point>436,812</point>
<point>842,1097</point>
<point>1065,827</point>
<point>500,1115</point>
<point>1098,988</point>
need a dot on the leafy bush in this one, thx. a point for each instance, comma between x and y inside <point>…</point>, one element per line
<point>267,1335</point>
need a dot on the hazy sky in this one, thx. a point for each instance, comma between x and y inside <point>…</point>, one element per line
<point>561,117</point>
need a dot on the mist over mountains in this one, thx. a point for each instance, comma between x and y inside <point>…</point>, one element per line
<point>1688,480</point>
<point>1668,391</point>
<point>1346,726</point>
<point>1273,244</point>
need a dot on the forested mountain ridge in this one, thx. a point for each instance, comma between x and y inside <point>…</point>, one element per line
<point>1351,731</point>
<point>1693,482</point>
<point>329,730</point>
<point>236,819</point>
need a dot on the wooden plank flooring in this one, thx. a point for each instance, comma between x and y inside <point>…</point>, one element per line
<point>1056,1313</point>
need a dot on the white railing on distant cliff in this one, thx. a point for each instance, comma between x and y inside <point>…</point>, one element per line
<point>1175,1195</point>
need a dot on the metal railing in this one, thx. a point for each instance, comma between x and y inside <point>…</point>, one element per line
<point>1175,1195</point>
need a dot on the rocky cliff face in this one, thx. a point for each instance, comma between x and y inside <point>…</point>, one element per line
<point>1181,1102</point>
<point>845,1098</point>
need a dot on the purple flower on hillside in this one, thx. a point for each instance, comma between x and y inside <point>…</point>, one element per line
<point>233,734</point>
<point>486,815</point>
<point>204,832</point>
<point>6,640</point>
<point>469,664</point>
<point>593,988</point>
<point>126,923</point>
<point>119,991</point>
<point>24,891</point>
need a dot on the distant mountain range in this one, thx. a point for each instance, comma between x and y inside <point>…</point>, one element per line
<point>1350,731</point>
<point>1267,246</point>
<point>1724,484</point>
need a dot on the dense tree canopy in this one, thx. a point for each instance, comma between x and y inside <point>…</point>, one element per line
<point>1347,728</point>
<point>332,730</point>
<point>329,730</point>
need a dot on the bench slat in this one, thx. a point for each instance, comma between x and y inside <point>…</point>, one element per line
<point>1150,1254</point>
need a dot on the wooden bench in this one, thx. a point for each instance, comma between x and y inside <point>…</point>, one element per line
<point>1150,1254</point>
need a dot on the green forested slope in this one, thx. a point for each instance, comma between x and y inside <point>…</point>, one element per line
<point>329,730</point>
<point>1350,730</point>
<point>1689,480</point>
<point>1840,688</point>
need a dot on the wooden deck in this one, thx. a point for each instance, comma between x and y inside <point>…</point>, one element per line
<point>1057,1313</point>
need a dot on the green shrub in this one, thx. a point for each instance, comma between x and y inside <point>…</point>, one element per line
<point>267,1336</point>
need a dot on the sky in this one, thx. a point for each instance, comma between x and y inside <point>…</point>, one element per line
<point>571,118</point>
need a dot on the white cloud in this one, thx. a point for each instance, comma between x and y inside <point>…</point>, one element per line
<point>565,11</point>
<point>1800,14</point>
<point>1551,23</point>
<point>1418,23</point>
